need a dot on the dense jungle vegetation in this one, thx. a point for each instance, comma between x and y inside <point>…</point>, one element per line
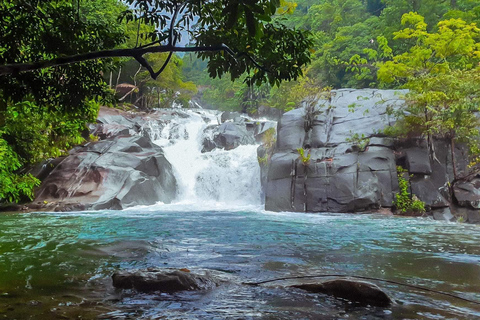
<point>431,47</point>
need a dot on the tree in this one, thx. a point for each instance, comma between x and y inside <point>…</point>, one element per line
<point>236,37</point>
<point>44,112</point>
<point>442,71</point>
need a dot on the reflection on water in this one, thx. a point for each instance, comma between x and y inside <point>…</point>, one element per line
<point>59,265</point>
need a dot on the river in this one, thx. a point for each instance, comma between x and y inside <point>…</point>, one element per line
<point>60,264</point>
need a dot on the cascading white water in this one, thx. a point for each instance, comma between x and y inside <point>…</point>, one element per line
<point>214,177</point>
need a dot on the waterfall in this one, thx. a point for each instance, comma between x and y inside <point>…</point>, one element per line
<point>227,177</point>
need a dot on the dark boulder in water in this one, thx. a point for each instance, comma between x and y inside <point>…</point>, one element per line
<point>162,280</point>
<point>361,292</point>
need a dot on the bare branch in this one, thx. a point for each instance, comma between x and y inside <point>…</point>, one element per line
<point>136,53</point>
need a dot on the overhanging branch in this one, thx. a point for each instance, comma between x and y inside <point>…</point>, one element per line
<point>136,53</point>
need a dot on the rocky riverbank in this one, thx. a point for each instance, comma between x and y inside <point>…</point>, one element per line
<point>332,156</point>
<point>125,167</point>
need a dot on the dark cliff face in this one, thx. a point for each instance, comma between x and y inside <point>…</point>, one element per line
<point>348,164</point>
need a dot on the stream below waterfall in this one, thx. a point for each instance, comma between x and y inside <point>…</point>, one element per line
<point>59,265</point>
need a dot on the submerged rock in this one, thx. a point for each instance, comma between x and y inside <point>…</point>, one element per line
<point>163,280</point>
<point>362,292</point>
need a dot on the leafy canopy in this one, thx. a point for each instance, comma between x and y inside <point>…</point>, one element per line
<point>44,112</point>
<point>246,32</point>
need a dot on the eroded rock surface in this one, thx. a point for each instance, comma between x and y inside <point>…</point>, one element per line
<point>349,164</point>
<point>341,175</point>
<point>115,173</point>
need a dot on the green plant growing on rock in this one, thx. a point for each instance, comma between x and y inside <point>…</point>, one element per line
<point>263,160</point>
<point>405,202</point>
<point>361,141</point>
<point>269,138</point>
<point>305,158</point>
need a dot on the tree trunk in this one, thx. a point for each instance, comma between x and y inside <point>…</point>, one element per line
<point>429,136</point>
<point>118,76</point>
<point>453,4</point>
<point>452,151</point>
<point>111,79</point>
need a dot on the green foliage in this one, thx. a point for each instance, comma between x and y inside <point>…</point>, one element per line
<point>263,47</point>
<point>305,158</point>
<point>43,113</point>
<point>170,87</point>
<point>13,187</point>
<point>263,160</point>
<point>441,70</point>
<point>269,138</point>
<point>405,202</point>
<point>359,140</point>
<point>352,36</point>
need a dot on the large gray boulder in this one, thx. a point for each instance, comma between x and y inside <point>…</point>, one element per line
<point>115,173</point>
<point>342,175</point>
<point>230,135</point>
<point>352,164</point>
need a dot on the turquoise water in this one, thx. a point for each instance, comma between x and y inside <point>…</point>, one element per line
<point>58,265</point>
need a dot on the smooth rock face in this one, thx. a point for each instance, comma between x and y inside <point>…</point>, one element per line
<point>115,173</point>
<point>352,164</point>
<point>340,175</point>
<point>162,280</point>
<point>443,214</point>
<point>468,194</point>
<point>364,293</point>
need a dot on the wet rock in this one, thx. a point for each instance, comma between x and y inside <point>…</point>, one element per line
<point>444,214</point>
<point>424,188</point>
<point>352,165</point>
<point>291,130</point>
<point>44,168</point>
<point>418,161</point>
<point>229,115</point>
<point>361,292</point>
<point>115,173</point>
<point>344,173</point>
<point>467,194</point>
<point>230,135</point>
<point>268,112</point>
<point>466,214</point>
<point>208,145</point>
<point>162,280</point>
<point>263,129</point>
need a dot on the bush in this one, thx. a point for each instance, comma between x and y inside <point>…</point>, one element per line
<point>305,158</point>
<point>13,187</point>
<point>404,201</point>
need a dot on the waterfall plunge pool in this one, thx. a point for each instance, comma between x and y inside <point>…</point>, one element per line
<point>58,265</point>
